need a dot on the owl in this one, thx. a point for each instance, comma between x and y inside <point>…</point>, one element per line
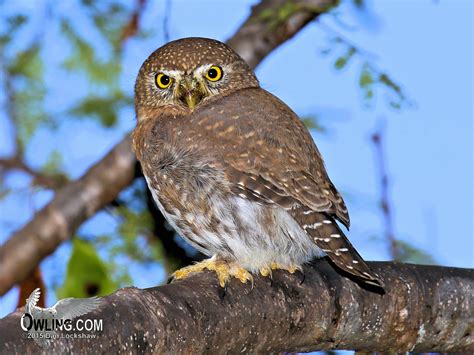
<point>233,169</point>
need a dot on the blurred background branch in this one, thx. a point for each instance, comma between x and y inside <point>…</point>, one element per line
<point>385,205</point>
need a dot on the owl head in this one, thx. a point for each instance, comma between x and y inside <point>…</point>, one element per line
<point>186,74</point>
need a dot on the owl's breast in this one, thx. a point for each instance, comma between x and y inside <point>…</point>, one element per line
<point>191,198</point>
<point>186,183</point>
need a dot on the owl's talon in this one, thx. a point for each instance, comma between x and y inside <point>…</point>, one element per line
<point>303,277</point>
<point>242,274</point>
<point>221,292</point>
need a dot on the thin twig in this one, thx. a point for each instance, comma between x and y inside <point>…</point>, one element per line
<point>382,174</point>
<point>363,52</point>
<point>133,25</point>
<point>166,29</point>
<point>54,182</point>
<point>9,105</point>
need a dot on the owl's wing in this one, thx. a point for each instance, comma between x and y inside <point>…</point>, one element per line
<point>289,189</point>
<point>269,157</point>
<point>275,158</point>
<point>320,226</point>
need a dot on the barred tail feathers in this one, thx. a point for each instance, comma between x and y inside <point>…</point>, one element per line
<point>326,234</point>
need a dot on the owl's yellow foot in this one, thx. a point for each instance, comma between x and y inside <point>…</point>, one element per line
<point>266,271</point>
<point>290,268</point>
<point>223,270</point>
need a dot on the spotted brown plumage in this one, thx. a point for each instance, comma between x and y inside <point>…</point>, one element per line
<point>233,169</point>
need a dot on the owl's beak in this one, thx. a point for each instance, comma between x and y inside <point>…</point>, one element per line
<point>191,100</point>
<point>190,93</point>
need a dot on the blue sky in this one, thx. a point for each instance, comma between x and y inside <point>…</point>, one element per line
<point>426,46</point>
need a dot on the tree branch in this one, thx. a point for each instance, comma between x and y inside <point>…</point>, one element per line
<point>17,160</point>
<point>54,181</point>
<point>424,309</point>
<point>81,199</point>
<point>267,27</point>
<point>58,220</point>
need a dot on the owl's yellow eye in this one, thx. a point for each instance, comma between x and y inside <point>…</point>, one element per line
<point>214,73</point>
<point>163,81</point>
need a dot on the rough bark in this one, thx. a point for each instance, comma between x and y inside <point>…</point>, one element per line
<point>424,309</point>
<point>82,198</point>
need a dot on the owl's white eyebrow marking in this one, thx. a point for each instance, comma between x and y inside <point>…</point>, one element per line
<point>175,74</point>
<point>201,69</point>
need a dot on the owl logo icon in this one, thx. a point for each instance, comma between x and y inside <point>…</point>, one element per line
<point>42,324</point>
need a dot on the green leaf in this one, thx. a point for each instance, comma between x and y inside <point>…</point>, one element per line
<point>27,91</point>
<point>385,79</point>
<point>342,61</point>
<point>398,96</point>
<point>103,108</point>
<point>287,10</point>
<point>29,107</point>
<point>83,58</point>
<point>276,15</point>
<point>366,83</point>
<point>410,254</point>
<point>365,78</point>
<point>313,122</point>
<point>53,165</point>
<point>27,63</point>
<point>13,24</point>
<point>395,105</point>
<point>87,275</point>
<point>369,95</point>
<point>134,226</point>
<point>110,21</point>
